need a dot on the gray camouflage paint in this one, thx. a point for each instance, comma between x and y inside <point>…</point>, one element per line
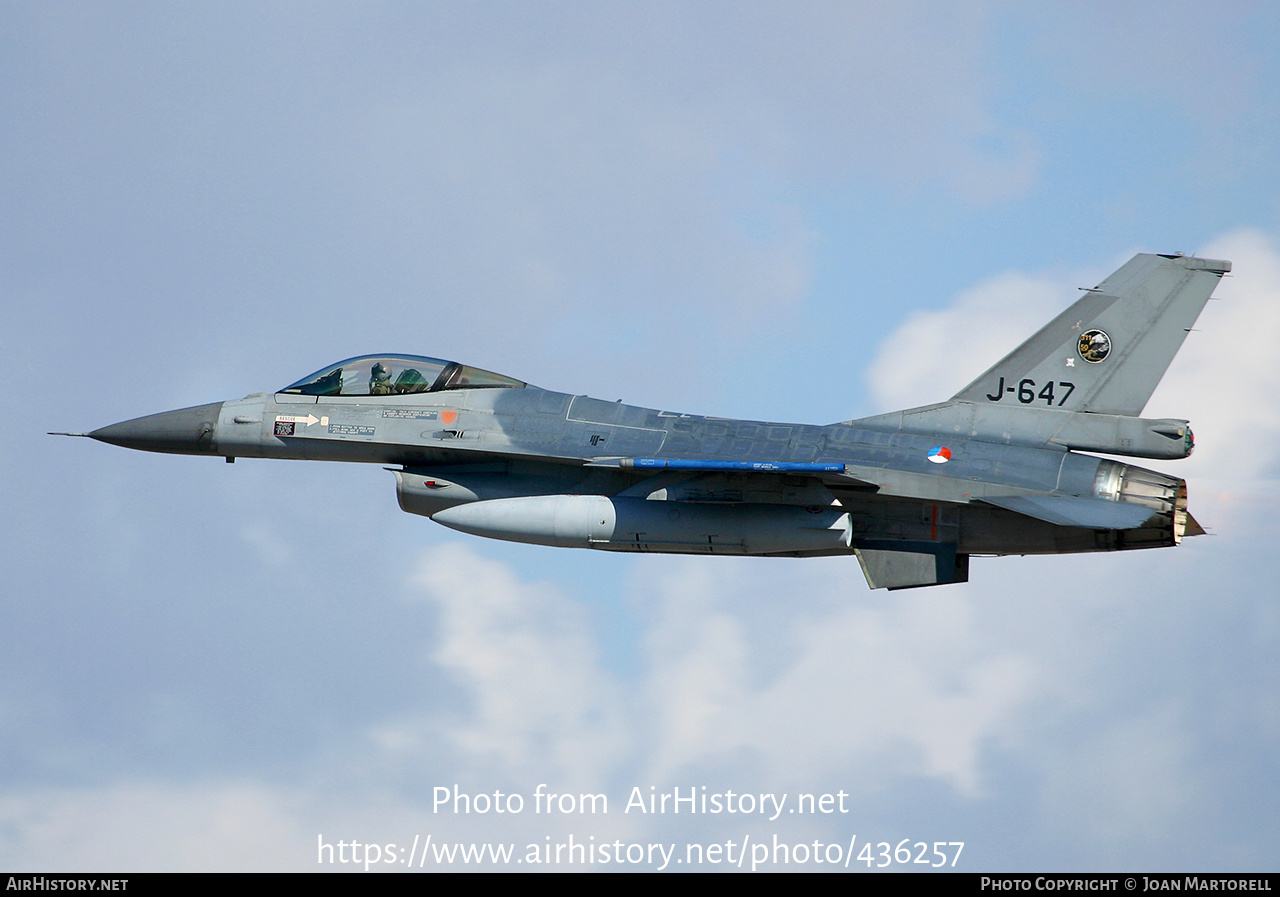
<point>997,469</point>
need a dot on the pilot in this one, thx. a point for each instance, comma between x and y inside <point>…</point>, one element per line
<point>380,380</point>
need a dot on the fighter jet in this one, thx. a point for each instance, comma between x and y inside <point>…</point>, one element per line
<point>1008,465</point>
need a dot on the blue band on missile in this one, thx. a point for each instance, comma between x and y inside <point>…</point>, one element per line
<point>752,466</point>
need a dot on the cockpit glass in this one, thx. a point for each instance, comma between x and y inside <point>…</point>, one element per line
<point>395,375</point>
<point>466,377</point>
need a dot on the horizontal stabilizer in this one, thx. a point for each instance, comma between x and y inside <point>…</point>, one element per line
<point>1066,510</point>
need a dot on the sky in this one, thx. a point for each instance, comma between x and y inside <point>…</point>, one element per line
<point>801,212</point>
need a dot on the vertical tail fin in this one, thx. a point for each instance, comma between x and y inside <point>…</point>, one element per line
<point>1106,353</point>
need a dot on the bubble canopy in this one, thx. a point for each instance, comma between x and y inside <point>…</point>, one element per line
<point>396,375</point>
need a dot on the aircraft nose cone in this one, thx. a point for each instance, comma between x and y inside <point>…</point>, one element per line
<point>188,431</point>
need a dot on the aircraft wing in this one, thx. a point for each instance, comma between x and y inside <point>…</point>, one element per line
<point>1060,510</point>
<point>1066,510</point>
<point>699,480</point>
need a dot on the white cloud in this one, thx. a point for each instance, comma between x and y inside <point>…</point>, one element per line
<point>907,685</point>
<point>912,684</point>
<point>1226,378</point>
<point>537,699</point>
<point>209,827</point>
<point>1131,783</point>
<point>934,354</point>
